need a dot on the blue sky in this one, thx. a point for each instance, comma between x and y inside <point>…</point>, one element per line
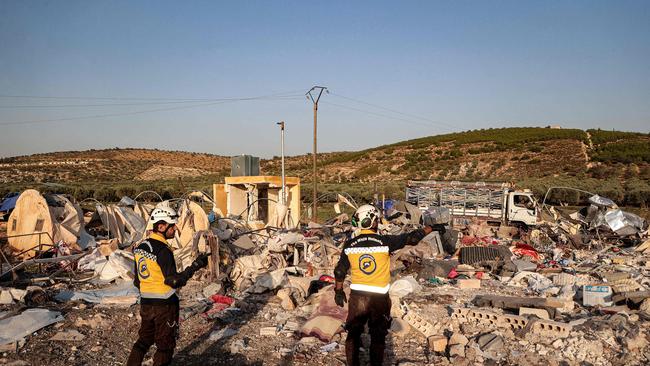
<point>443,65</point>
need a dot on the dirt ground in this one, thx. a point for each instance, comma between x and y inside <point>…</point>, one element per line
<point>110,332</point>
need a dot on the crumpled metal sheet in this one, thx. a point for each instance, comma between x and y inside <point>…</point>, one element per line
<point>624,223</point>
<point>601,201</point>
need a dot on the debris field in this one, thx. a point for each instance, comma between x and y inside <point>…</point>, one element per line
<point>573,289</point>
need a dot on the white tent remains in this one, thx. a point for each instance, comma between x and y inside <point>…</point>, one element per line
<point>47,219</point>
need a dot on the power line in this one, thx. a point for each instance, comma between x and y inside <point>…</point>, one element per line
<point>287,97</point>
<point>395,111</point>
<point>378,114</point>
<point>204,104</point>
<point>140,98</point>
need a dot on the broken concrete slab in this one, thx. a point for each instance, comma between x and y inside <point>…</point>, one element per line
<point>540,313</point>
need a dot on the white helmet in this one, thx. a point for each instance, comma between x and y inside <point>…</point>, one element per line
<point>365,217</point>
<point>163,213</point>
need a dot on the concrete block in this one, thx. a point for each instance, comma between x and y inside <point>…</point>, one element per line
<point>593,295</point>
<point>547,328</point>
<point>550,328</point>
<point>513,322</point>
<point>540,313</point>
<point>438,343</point>
<point>469,283</point>
<point>420,324</point>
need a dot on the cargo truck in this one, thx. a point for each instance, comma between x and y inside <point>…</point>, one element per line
<point>494,202</point>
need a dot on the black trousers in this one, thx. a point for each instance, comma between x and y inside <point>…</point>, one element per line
<point>159,326</point>
<point>374,309</point>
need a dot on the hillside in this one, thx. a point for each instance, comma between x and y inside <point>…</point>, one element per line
<point>611,162</point>
<point>111,165</point>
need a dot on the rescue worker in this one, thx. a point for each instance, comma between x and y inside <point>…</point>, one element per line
<point>367,258</point>
<point>157,280</point>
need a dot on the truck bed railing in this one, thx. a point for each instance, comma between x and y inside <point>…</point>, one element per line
<point>462,198</point>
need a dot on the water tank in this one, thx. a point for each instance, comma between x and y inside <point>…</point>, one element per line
<point>244,165</point>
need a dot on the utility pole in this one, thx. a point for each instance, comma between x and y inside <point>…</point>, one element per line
<point>283,196</point>
<point>314,95</point>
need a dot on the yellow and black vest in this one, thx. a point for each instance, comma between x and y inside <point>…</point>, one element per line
<point>154,261</point>
<point>367,257</point>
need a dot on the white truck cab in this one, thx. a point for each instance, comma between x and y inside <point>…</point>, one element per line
<point>522,208</point>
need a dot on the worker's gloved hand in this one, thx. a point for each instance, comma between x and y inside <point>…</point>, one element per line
<point>339,297</point>
<point>201,261</point>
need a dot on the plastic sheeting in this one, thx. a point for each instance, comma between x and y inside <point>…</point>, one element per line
<point>404,286</point>
<point>122,223</point>
<point>15,328</point>
<point>9,202</point>
<point>119,264</point>
<point>125,288</point>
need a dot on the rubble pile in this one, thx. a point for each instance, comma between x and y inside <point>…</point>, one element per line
<point>573,290</point>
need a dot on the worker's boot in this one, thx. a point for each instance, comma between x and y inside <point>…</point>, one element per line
<point>377,353</point>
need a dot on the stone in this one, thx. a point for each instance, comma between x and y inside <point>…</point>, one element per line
<point>291,326</point>
<point>636,341</point>
<point>68,335</point>
<point>470,283</point>
<point>222,334</point>
<point>458,338</point>
<point>457,350</point>
<point>645,306</point>
<point>438,343</point>
<point>540,313</point>
<point>287,302</point>
<point>399,327</point>
<point>6,298</point>
<point>94,322</point>
<point>96,349</point>
<point>238,346</point>
<point>558,343</point>
<point>211,289</point>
